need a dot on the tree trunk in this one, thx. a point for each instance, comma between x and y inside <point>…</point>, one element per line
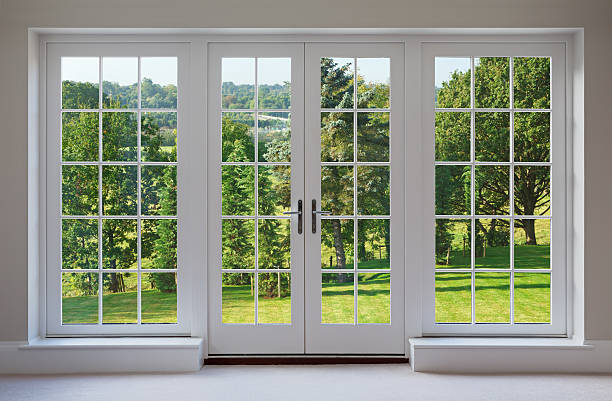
<point>339,246</point>
<point>529,228</point>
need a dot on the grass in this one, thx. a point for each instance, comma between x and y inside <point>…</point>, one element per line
<point>525,257</point>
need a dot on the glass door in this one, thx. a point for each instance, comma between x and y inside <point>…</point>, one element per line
<point>354,199</point>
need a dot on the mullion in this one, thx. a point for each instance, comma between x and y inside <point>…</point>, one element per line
<point>355,221</point>
<point>472,193</point>
<point>139,199</point>
<point>511,189</point>
<point>256,193</point>
<point>100,203</point>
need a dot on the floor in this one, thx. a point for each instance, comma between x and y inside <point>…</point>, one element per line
<point>319,382</point>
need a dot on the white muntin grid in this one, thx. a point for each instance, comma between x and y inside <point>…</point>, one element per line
<point>100,217</point>
<point>256,217</point>
<point>511,217</point>
<point>355,217</point>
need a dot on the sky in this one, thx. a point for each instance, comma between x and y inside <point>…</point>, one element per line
<point>123,70</point>
<point>445,66</point>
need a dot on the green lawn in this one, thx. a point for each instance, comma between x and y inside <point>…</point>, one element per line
<point>525,257</point>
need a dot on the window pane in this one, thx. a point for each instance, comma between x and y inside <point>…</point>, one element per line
<point>80,82</point>
<point>158,244</point>
<point>120,298</point>
<point>492,137</point>
<point>238,83</point>
<point>119,190</point>
<point>373,194</point>
<point>158,298</point>
<point>531,137</point>
<point>373,80</point>
<point>79,298</point>
<point>452,82</point>
<point>158,137</point>
<point>532,82</point>
<point>274,186</point>
<point>274,83</point>
<point>238,303</point>
<point>238,244</point>
<point>452,190</point>
<point>119,136</point>
<point>119,250</point>
<point>80,136</point>
<point>337,82</point>
<point>492,244</point>
<point>337,137</point>
<point>238,138</point>
<point>274,298</point>
<point>492,82</point>
<point>453,298</point>
<point>337,190</point>
<point>492,293</point>
<point>532,244</point>
<point>274,136</point>
<point>532,298</point>
<point>374,298</point>
<point>337,243</point>
<point>238,190</point>
<point>159,186</point>
<point>373,244</point>
<point>274,237</point>
<point>79,190</point>
<point>337,298</point>
<point>453,244</point>
<point>373,137</point>
<point>532,190</point>
<point>159,81</point>
<point>453,136</point>
<point>492,190</point>
<point>120,82</point>
<point>79,244</point>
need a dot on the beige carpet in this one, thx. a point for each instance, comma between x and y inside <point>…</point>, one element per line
<point>312,383</point>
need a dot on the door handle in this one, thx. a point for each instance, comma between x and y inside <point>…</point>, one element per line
<point>315,212</point>
<point>299,214</point>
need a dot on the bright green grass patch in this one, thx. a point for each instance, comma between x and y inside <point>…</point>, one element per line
<point>526,257</point>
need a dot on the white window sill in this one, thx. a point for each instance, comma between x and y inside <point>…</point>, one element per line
<point>497,343</point>
<point>115,342</point>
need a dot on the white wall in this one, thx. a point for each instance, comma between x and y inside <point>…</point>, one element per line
<point>17,15</point>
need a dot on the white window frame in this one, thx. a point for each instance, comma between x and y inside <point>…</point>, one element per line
<point>185,178</point>
<point>558,271</point>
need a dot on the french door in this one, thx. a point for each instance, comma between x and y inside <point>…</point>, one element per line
<point>305,198</point>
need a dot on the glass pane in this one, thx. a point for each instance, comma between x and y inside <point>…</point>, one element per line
<point>158,186</point>
<point>237,190</point>
<point>274,83</point>
<point>79,244</point>
<point>453,133</point>
<point>337,244</point>
<point>373,191</point>
<point>492,297</point>
<point>158,137</point>
<point>80,82</point>
<point>238,83</point>
<point>492,190</point>
<point>532,298</point>
<point>452,86</point>
<point>452,190</point>
<point>532,244</point>
<point>453,244</point>
<point>492,82</point>
<point>238,244</point>
<point>492,244</point>
<point>274,136</point>
<point>453,297</point>
<point>80,136</point>
<point>274,237</point>
<point>337,190</point>
<point>120,298</point>
<point>374,298</point>
<point>119,239</point>
<point>531,137</point>
<point>373,137</point>
<point>373,81</point>
<point>532,190</point>
<point>337,298</point>
<point>337,82</point>
<point>159,81</point>
<point>238,298</point>
<point>337,137</point>
<point>79,298</point>
<point>119,136</point>
<point>274,298</point>
<point>119,190</point>
<point>120,82</point>
<point>532,82</point>
<point>238,137</point>
<point>158,298</point>
<point>79,190</point>
<point>274,190</point>
<point>373,244</point>
<point>158,244</point>
<point>492,137</point>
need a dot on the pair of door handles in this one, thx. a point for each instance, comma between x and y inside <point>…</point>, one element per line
<point>314,212</point>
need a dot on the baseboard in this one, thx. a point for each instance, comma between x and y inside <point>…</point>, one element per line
<point>510,356</point>
<point>101,355</point>
<point>302,360</point>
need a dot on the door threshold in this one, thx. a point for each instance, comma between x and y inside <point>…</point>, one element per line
<point>304,359</point>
